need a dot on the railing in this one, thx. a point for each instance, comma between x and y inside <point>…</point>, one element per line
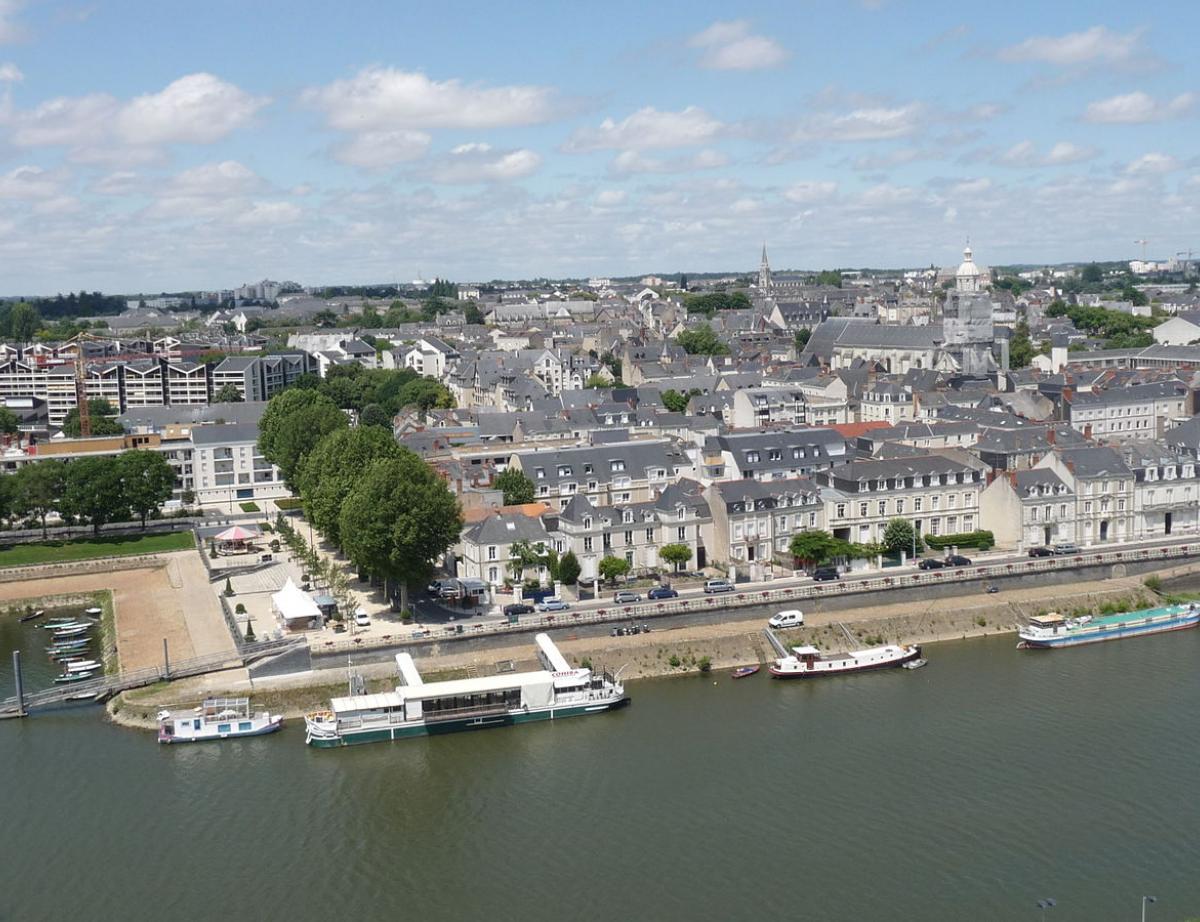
<point>755,597</point>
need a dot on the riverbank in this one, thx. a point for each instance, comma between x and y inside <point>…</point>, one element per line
<point>676,651</point>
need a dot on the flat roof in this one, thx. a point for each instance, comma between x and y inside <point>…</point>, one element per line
<point>366,702</point>
<point>461,687</point>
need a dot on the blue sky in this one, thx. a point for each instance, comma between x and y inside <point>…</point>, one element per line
<point>163,146</point>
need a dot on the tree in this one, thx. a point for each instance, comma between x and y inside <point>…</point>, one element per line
<point>425,394</point>
<point>569,569</point>
<point>472,313</point>
<point>1091,274</point>
<point>830,277</point>
<point>398,518</point>
<point>613,567</point>
<point>677,555</point>
<point>802,338</point>
<point>332,468</point>
<point>38,489</point>
<point>324,318</point>
<point>712,302</point>
<point>24,321</point>
<point>899,536</point>
<point>375,415</point>
<point>675,401</point>
<point>815,547</point>
<point>1020,347</point>
<point>227,394</point>
<point>596,380</point>
<point>103,416</point>
<point>10,423</point>
<point>94,492</point>
<point>517,487</point>
<point>147,480</point>
<point>292,425</point>
<point>702,341</point>
<point>522,556</point>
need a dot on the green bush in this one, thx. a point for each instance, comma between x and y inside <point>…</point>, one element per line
<point>674,661</point>
<point>1153,583</point>
<point>287,503</point>
<point>705,664</point>
<point>982,540</point>
<point>239,609</point>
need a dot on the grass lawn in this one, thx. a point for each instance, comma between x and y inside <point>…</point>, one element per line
<point>287,503</point>
<point>249,507</point>
<point>20,555</point>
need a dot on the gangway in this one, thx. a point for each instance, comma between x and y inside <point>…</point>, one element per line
<point>780,647</point>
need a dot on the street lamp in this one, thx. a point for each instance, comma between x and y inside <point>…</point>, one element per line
<point>1145,900</point>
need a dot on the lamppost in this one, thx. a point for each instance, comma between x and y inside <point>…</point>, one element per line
<point>1145,900</point>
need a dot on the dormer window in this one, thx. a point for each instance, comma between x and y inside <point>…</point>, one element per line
<point>626,516</point>
<point>587,521</point>
<point>539,473</point>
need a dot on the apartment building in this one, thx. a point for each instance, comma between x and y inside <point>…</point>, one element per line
<point>753,520</point>
<point>1137,412</point>
<point>623,472</point>
<point>773,455</point>
<point>227,466</point>
<point>1029,508</point>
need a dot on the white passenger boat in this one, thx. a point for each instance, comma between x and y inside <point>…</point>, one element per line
<point>215,719</point>
<point>83,665</point>
<point>808,662</point>
<point>417,708</point>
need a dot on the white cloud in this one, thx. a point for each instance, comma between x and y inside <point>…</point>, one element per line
<point>648,129</point>
<point>479,163</point>
<point>10,29</point>
<point>810,191</point>
<point>10,73</point>
<point>261,214</point>
<point>610,198</point>
<point>383,99</point>
<point>29,182</point>
<point>874,123</point>
<point>1026,154</point>
<point>379,149</point>
<point>971,187</point>
<point>732,46</point>
<point>196,109</point>
<point>1097,46</point>
<point>887,195</point>
<point>632,161</point>
<point>1138,107</point>
<point>1153,163</point>
<point>210,190</point>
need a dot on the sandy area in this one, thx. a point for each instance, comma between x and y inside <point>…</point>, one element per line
<point>173,601</point>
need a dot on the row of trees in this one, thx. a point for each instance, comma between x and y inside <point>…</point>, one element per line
<point>714,301</point>
<point>93,491</point>
<point>379,393</point>
<point>1119,330</point>
<point>378,503</point>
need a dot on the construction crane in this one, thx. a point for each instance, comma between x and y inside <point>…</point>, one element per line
<point>81,399</point>
<point>1143,242</point>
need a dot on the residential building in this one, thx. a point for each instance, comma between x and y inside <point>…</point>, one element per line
<point>753,521</point>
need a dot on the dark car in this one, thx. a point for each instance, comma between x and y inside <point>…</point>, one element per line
<point>931,563</point>
<point>821,574</point>
<point>1041,552</point>
<point>662,592</point>
<point>518,608</point>
<point>958,560</point>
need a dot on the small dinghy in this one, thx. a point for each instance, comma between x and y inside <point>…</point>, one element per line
<point>73,677</point>
<point>742,671</point>
<point>93,612</point>
<point>33,615</point>
<point>73,631</point>
<point>915,663</point>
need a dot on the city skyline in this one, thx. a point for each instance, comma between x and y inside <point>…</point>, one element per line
<point>222,147</point>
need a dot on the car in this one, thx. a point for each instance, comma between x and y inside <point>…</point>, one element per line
<point>958,560</point>
<point>1062,549</point>
<point>361,619</point>
<point>930,563</point>
<point>793,617</point>
<point>552,603</point>
<point>626,595</point>
<point>662,592</point>
<point>1041,552</point>
<point>718,585</point>
<point>821,574</point>
<point>518,608</point>
<point>435,587</point>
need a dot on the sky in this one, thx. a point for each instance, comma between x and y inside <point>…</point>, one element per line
<point>151,146</point>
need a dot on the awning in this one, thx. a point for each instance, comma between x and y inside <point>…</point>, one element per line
<point>236,533</point>
<point>294,604</point>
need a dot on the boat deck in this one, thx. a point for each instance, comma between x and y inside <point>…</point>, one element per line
<point>1102,621</point>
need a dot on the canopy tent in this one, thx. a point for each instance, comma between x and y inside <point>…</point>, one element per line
<point>236,533</point>
<point>293,604</point>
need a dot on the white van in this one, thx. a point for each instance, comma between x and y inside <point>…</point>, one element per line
<point>793,617</point>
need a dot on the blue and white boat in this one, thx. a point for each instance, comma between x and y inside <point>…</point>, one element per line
<point>1056,630</point>
<point>215,719</point>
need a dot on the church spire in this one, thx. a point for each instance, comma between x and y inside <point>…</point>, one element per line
<point>764,272</point>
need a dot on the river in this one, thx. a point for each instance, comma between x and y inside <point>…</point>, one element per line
<point>968,789</point>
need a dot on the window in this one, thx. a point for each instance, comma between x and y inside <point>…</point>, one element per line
<point>840,511</point>
<point>682,532</point>
<point>916,504</point>
<point>629,557</point>
<point>539,473</point>
<point>587,522</point>
<point>883,507</point>
<point>862,510</point>
<point>650,535</point>
<point>587,543</point>
<point>491,553</point>
<point>624,498</point>
<point>492,574</point>
<point>607,540</point>
<point>628,538</point>
<point>899,507</point>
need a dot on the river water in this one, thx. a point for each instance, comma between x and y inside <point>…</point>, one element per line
<point>966,790</point>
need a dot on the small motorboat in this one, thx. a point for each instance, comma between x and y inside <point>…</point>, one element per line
<point>742,671</point>
<point>72,631</point>
<point>58,624</point>
<point>93,612</point>
<point>915,663</point>
<point>73,677</point>
<point>33,615</point>
<point>83,665</point>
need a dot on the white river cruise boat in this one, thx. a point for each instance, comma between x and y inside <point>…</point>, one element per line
<point>419,708</point>
<point>809,662</point>
<point>1054,630</point>
<point>215,719</point>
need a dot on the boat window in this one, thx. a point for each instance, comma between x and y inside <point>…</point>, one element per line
<point>196,724</point>
<point>222,728</point>
<point>245,725</point>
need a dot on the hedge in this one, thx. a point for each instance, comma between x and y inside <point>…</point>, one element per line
<point>287,503</point>
<point>982,539</point>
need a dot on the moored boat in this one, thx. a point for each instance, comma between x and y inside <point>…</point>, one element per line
<point>73,631</point>
<point>808,662</point>
<point>33,615</point>
<point>742,671</point>
<point>216,719</point>
<point>83,665</point>
<point>915,663</point>
<point>1056,630</point>
<point>73,677</point>
<point>417,708</point>
<point>63,625</point>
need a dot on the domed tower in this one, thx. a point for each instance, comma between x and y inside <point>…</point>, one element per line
<point>967,321</point>
<point>967,276</point>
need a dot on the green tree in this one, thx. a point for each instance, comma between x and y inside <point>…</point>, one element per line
<point>802,338</point>
<point>325,318</point>
<point>677,555</point>
<point>332,468</point>
<point>38,488</point>
<point>10,423</point>
<point>569,569</point>
<point>94,492</point>
<point>516,486</point>
<point>1020,347</point>
<point>815,547</point>
<point>702,341</point>
<point>292,425</point>
<point>610,568</point>
<point>675,401</point>
<point>712,302</point>
<point>1091,274</point>
<point>597,380</point>
<point>148,481</point>
<point>521,556</point>
<point>398,518</point>
<point>472,313</point>
<point>103,417</point>
<point>228,393</point>
<point>899,535</point>
<point>830,277</point>
<point>24,322</point>
<point>425,394</point>
<point>375,415</point>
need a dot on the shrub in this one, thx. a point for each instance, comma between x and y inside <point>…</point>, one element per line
<point>982,540</point>
<point>705,664</point>
<point>1153,583</point>
<point>288,503</point>
<point>674,661</point>
<point>586,663</point>
<point>981,621</point>
<point>239,609</point>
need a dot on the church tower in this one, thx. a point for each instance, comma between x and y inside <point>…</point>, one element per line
<point>764,274</point>
<point>967,276</point>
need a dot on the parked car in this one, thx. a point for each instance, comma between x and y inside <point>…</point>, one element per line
<point>1063,549</point>
<point>793,617</point>
<point>518,608</point>
<point>821,574</point>
<point>552,603</point>
<point>958,560</point>
<point>1041,552</point>
<point>718,585</point>
<point>930,563</point>
<point>626,595</point>
<point>361,619</point>
<point>662,592</point>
